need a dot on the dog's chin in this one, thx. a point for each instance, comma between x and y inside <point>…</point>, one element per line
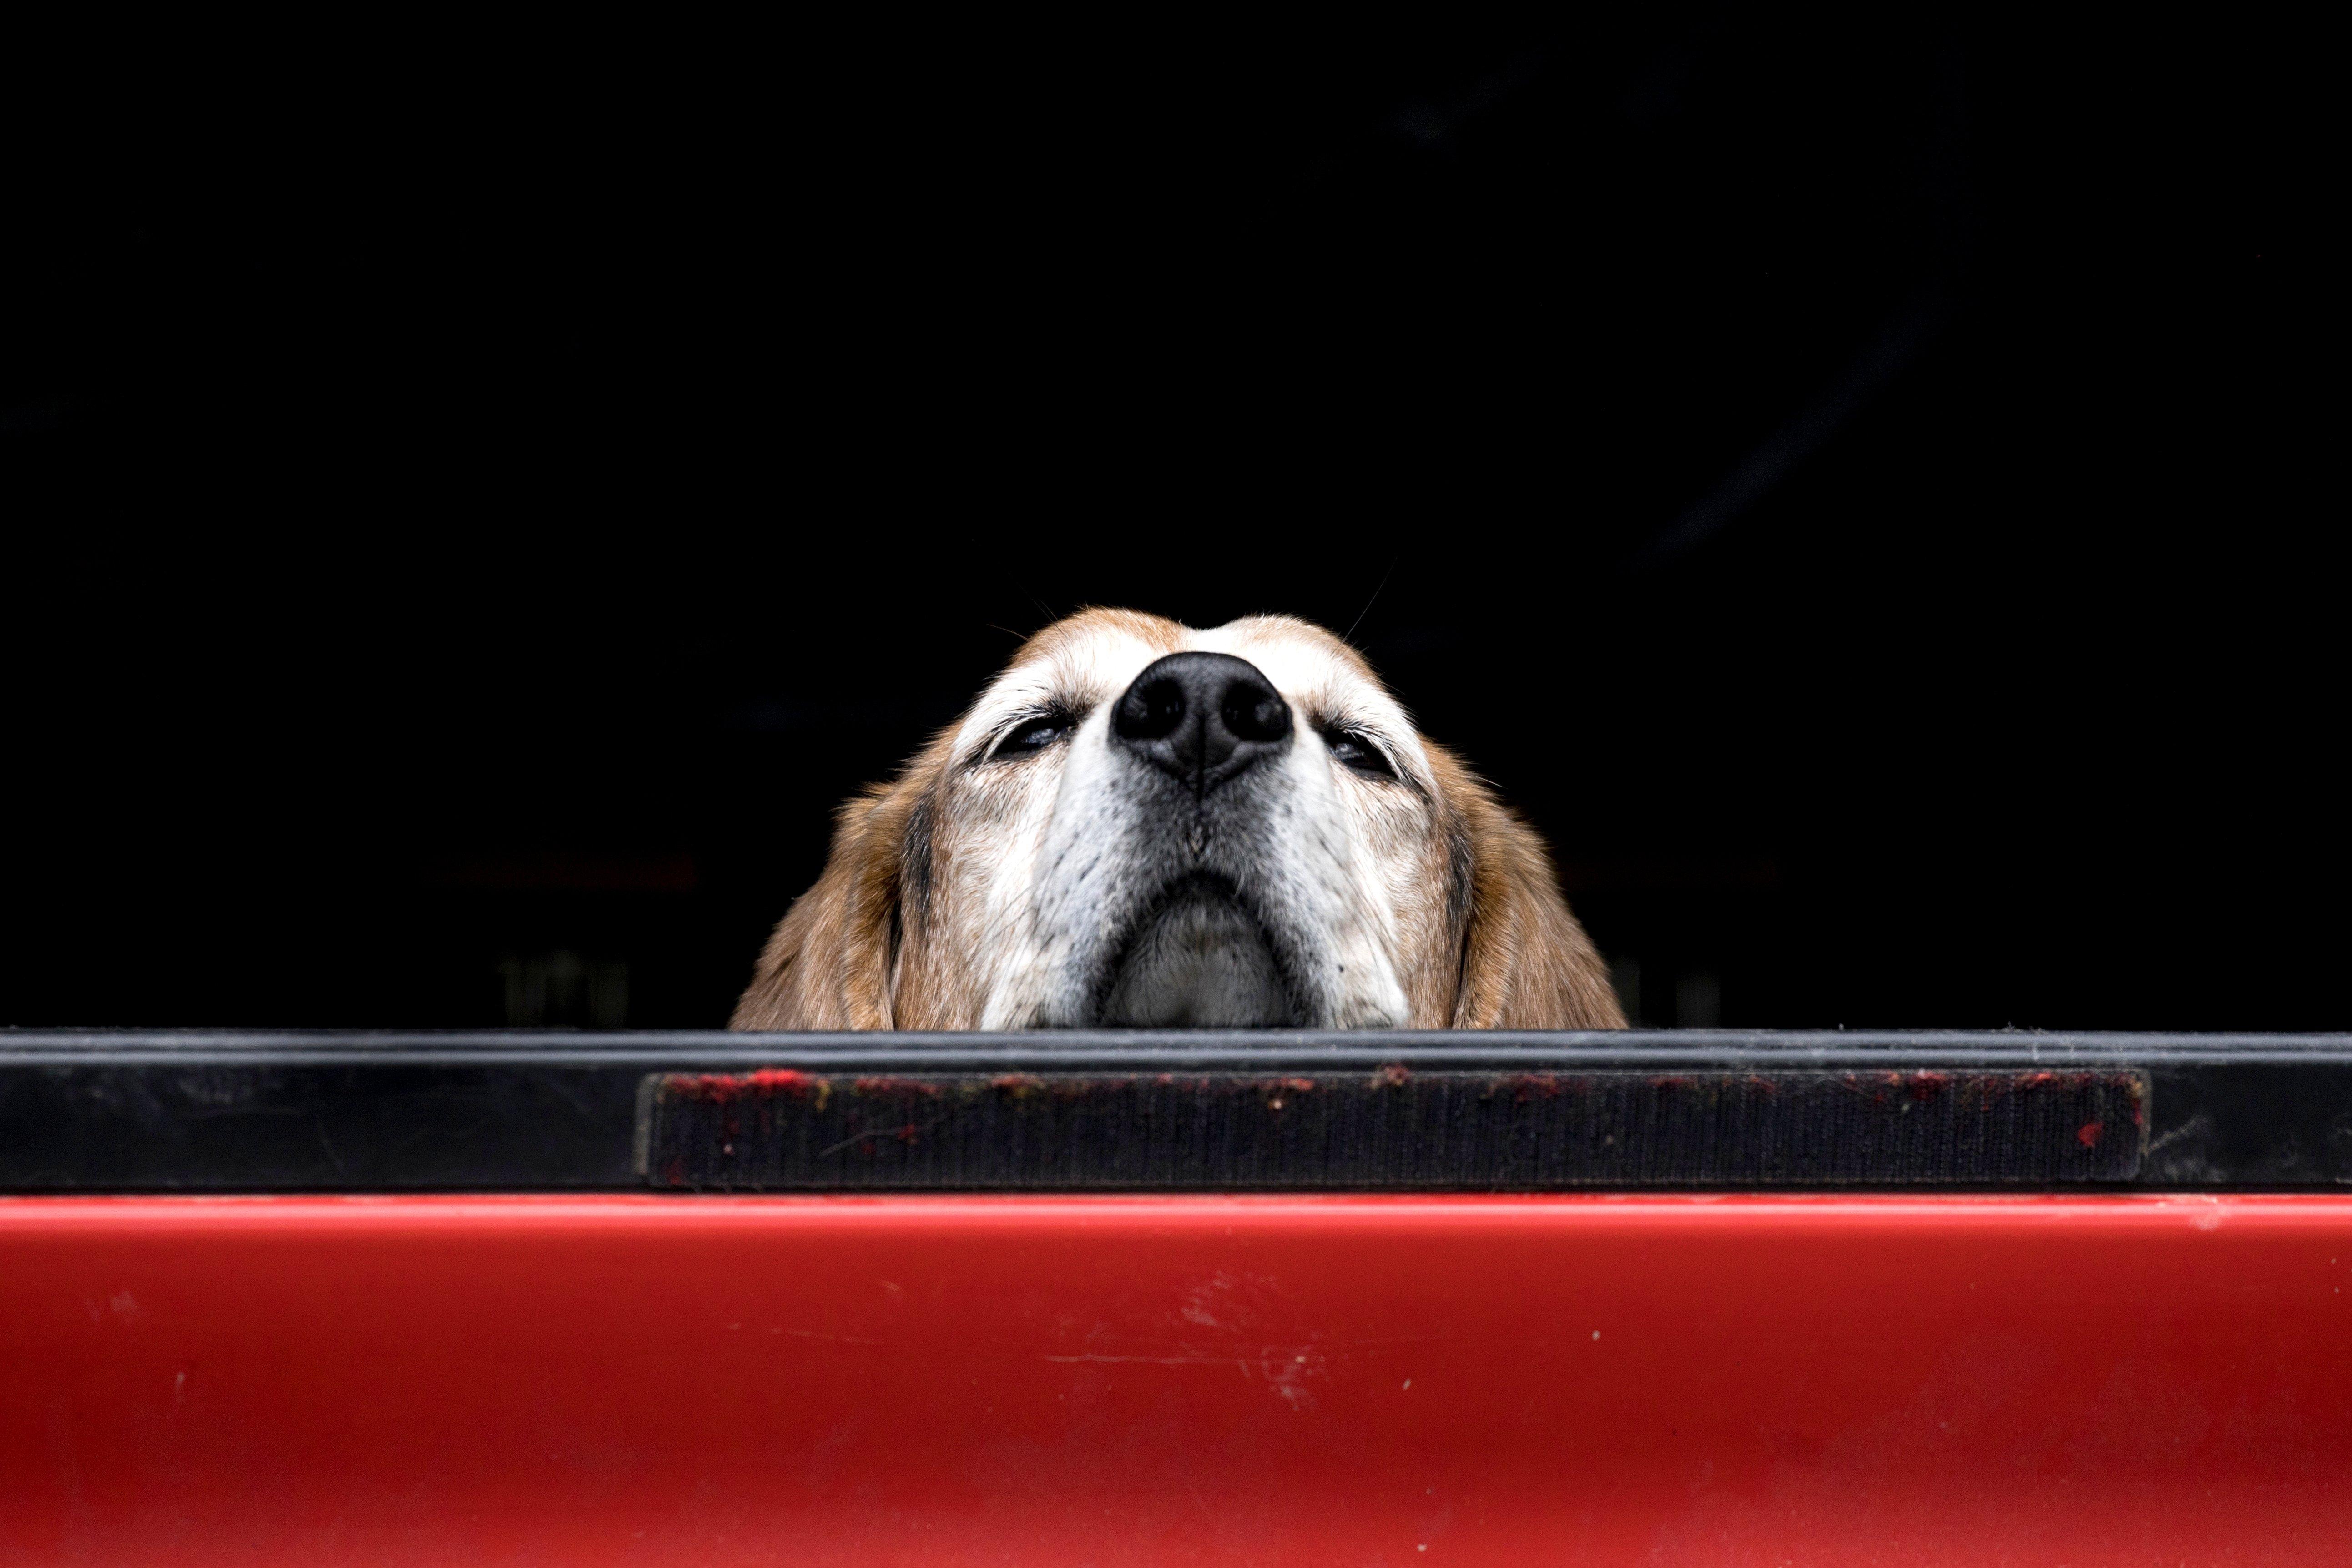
<point>1197,960</point>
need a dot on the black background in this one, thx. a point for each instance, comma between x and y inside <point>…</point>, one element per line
<point>478,500</point>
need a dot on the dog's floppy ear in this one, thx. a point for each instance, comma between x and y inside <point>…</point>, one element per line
<point>1524,962</point>
<point>834,961</point>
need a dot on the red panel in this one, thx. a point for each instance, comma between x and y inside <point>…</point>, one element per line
<point>1359,1381</point>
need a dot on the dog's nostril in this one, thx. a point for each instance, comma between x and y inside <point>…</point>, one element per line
<point>1253,711</point>
<point>1150,710</point>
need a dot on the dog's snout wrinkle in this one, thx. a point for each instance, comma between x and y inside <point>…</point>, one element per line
<point>1205,718</point>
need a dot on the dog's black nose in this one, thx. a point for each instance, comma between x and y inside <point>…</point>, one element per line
<point>1204,717</point>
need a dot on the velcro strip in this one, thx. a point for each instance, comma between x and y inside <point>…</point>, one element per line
<point>1391,1128</point>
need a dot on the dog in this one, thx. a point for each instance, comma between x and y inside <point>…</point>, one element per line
<point>1140,824</point>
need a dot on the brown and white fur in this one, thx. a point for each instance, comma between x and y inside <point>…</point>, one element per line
<point>1029,869</point>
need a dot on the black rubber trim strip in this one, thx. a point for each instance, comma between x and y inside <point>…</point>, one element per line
<point>93,1111</point>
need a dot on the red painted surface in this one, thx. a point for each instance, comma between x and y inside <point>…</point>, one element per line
<point>1746,1380</point>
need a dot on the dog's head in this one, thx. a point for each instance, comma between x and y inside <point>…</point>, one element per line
<point>1140,823</point>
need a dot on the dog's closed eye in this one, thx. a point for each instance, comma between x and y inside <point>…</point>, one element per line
<point>1032,735</point>
<point>1355,750</point>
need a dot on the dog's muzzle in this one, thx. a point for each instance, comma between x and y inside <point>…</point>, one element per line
<point>1197,954</point>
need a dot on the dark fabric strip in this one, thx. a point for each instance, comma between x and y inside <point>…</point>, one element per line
<point>1390,1129</point>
